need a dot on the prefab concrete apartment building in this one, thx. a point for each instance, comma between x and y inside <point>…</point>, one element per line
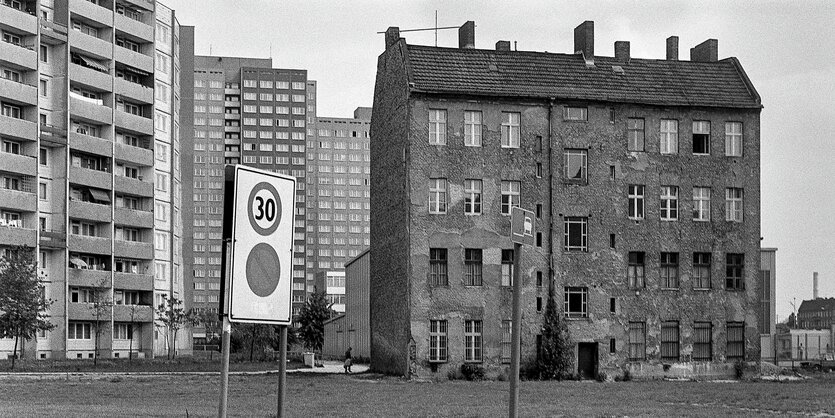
<point>90,167</point>
<point>644,175</point>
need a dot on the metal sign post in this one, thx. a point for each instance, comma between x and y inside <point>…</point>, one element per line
<point>258,224</point>
<point>521,232</point>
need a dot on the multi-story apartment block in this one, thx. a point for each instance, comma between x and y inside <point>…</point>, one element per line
<point>644,177</point>
<point>244,112</point>
<point>338,204</point>
<point>90,166</point>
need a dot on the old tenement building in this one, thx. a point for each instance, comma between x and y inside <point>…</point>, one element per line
<point>644,176</point>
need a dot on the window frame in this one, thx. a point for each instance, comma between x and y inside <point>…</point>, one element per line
<point>507,267</point>
<point>637,340</point>
<point>438,267</point>
<point>733,139</point>
<point>669,203</point>
<point>473,128</point>
<point>473,267</point>
<point>703,137</point>
<point>437,126</point>
<point>511,129</point>
<point>701,204</point>
<point>734,201</point>
<point>636,135</point>
<point>583,222</point>
<point>508,193</point>
<point>636,201</point>
<point>700,343</point>
<point>669,269</point>
<point>570,113</point>
<point>668,141</point>
<point>700,266</point>
<point>732,347</point>
<point>568,303</point>
<point>636,270</point>
<point>438,195</point>
<point>473,196</point>
<point>570,154</point>
<point>735,271</point>
<point>473,341</point>
<point>438,341</point>
<point>670,341</point>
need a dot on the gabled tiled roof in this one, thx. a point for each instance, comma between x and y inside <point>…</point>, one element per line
<point>814,305</point>
<point>519,74</point>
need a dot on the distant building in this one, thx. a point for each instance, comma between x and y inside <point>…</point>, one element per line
<point>644,177</point>
<point>353,328</point>
<point>816,314</point>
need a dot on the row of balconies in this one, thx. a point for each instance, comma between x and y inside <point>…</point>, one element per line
<point>121,313</point>
<point>127,281</point>
<point>106,17</point>
<point>18,92</point>
<point>102,213</point>
<point>101,146</point>
<point>105,50</point>
<point>21,20</point>
<point>103,115</point>
<point>101,246</point>
<point>104,82</point>
<point>102,180</point>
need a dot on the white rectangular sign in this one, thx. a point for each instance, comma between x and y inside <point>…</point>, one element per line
<point>259,286</point>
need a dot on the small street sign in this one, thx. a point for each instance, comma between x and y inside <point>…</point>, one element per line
<point>259,220</point>
<point>522,226</point>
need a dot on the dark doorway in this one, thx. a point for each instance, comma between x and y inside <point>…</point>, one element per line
<point>587,360</point>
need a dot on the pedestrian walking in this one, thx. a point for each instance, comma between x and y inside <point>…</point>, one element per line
<point>347,364</point>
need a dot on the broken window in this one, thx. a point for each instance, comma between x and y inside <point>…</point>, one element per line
<point>576,302</point>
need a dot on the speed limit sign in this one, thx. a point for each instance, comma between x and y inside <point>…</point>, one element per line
<point>258,225</point>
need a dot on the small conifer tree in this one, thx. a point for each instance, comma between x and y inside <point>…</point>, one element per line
<point>556,357</point>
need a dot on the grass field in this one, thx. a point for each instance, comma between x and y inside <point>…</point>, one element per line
<point>376,396</point>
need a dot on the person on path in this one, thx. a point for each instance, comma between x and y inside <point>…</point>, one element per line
<point>347,364</point>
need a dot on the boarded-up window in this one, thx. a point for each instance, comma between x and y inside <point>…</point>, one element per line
<point>669,341</point>
<point>736,341</point>
<point>702,341</point>
<point>637,341</point>
<point>507,335</point>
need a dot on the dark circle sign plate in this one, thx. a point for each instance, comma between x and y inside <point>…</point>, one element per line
<point>262,270</point>
<point>264,208</point>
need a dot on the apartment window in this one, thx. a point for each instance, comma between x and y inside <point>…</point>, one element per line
<point>575,163</point>
<point>507,267</point>
<point>669,203</point>
<point>635,134</point>
<point>79,331</point>
<point>701,137</point>
<point>733,139</point>
<point>43,87</point>
<point>701,203</point>
<point>80,295</point>
<point>472,267</point>
<point>669,136</point>
<point>510,195</point>
<point>576,302</point>
<point>511,131</point>
<point>669,341</point>
<point>44,55</point>
<point>437,127</point>
<point>575,233</point>
<point>635,269</point>
<point>733,204</point>
<point>122,331</point>
<point>42,191</point>
<point>11,147</point>
<point>702,341</point>
<point>507,340</point>
<point>437,340</point>
<point>438,267</point>
<point>669,270</point>
<point>472,129</point>
<point>437,196</point>
<point>636,201</point>
<point>575,113</point>
<point>701,270</point>
<point>472,197</point>
<point>637,341</point>
<point>734,271</point>
<point>11,111</point>
<point>735,333</point>
<point>472,341</point>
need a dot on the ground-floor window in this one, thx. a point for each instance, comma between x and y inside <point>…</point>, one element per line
<point>507,338</point>
<point>702,341</point>
<point>79,331</point>
<point>472,341</point>
<point>637,341</point>
<point>669,341</point>
<point>736,341</point>
<point>437,341</point>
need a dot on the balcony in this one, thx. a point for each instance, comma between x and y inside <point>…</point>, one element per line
<point>53,135</point>
<point>141,313</point>
<point>90,111</point>
<point>132,249</point>
<point>87,278</point>
<point>134,59</point>
<point>91,178</point>
<point>231,92</point>
<point>91,78</point>
<point>18,19</point>
<point>232,129</point>
<point>135,218</point>
<point>92,11</point>
<point>18,92</point>
<point>91,144</point>
<point>23,56</point>
<point>140,156</point>
<point>18,128</point>
<point>91,245</point>
<point>134,91</point>
<point>19,164</point>
<point>84,312</point>
<point>135,28</point>
<point>54,240</point>
<point>142,4</point>
<point>89,211</point>
<point>135,123</point>
<point>134,187</point>
<point>54,33</point>
<point>18,200</point>
<point>133,281</point>
<point>11,236</point>
<point>230,103</point>
<point>232,116</point>
<point>90,45</point>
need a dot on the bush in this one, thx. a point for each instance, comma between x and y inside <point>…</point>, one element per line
<point>472,371</point>
<point>739,369</point>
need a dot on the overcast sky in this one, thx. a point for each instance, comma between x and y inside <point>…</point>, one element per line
<point>787,49</point>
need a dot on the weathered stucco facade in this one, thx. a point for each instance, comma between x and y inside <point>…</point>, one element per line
<point>413,82</point>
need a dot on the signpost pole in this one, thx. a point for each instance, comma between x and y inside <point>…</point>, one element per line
<point>516,326</point>
<point>224,374</point>
<point>282,371</point>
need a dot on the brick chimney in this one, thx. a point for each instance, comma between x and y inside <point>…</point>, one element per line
<point>466,35</point>
<point>672,48</point>
<point>503,46</point>
<point>707,51</point>
<point>584,40</point>
<point>392,36</point>
<point>622,51</point>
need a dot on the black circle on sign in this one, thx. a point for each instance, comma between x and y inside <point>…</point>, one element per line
<point>269,187</point>
<point>263,270</point>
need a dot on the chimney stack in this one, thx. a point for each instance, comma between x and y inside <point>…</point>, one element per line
<point>672,48</point>
<point>707,51</point>
<point>815,285</point>
<point>622,51</point>
<point>392,36</point>
<point>503,46</point>
<point>584,40</point>
<point>466,35</point>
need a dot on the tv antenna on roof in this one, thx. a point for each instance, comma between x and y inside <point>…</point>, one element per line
<point>436,28</point>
